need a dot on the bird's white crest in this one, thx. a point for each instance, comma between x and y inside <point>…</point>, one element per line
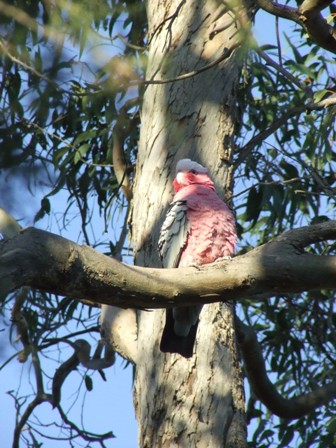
<point>188,165</point>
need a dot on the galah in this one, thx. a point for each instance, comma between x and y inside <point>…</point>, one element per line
<point>199,229</point>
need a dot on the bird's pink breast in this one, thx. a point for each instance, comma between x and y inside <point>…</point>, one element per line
<point>212,231</point>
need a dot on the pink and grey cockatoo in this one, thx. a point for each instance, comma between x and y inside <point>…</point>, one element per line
<point>199,229</point>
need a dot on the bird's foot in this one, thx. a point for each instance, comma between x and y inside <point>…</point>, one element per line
<point>228,257</point>
<point>195,264</point>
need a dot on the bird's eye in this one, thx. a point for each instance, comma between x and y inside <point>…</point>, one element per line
<point>193,171</point>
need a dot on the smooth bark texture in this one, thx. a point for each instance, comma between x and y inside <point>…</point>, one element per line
<point>179,402</point>
<point>49,262</point>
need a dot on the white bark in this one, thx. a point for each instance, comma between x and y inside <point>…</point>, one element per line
<point>119,328</point>
<point>179,402</point>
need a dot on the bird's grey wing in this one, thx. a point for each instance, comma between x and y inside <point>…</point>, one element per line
<point>179,332</point>
<point>173,234</point>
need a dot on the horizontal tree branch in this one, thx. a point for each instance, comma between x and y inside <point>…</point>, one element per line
<point>290,408</point>
<point>51,263</point>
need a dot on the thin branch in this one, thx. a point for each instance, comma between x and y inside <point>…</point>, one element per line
<point>127,43</point>
<point>49,342</point>
<point>83,209</point>
<point>28,347</point>
<point>314,174</point>
<point>275,182</point>
<point>226,54</point>
<point>34,71</point>
<point>29,68</point>
<point>263,135</point>
<point>86,435</point>
<point>25,416</point>
<point>245,151</point>
<point>278,10</point>
<point>278,40</point>
<point>263,388</point>
<point>170,18</point>
<point>280,69</point>
<point>81,355</point>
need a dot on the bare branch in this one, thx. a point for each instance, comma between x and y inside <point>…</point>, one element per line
<point>226,54</point>
<point>86,435</point>
<point>28,348</point>
<point>51,263</point>
<point>25,416</point>
<point>281,69</point>
<point>81,355</point>
<point>291,408</point>
<point>276,9</point>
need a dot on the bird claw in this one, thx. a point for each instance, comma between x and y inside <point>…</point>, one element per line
<point>228,257</point>
<point>196,265</point>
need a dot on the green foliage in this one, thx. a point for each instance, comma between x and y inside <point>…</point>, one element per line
<point>59,111</point>
<point>65,88</point>
<point>289,180</point>
<point>60,105</point>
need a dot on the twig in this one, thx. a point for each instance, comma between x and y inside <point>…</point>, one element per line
<point>172,17</point>
<point>29,410</point>
<point>29,347</point>
<point>280,69</point>
<point>275,182</point>
<point>128,44</point>
<point>86,435</point>
<point>226,54</point>
<point>259,138</point>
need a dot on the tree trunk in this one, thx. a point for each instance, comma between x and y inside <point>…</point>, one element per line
<point>197,402</point>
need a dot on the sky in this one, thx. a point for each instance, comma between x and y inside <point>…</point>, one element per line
<point>109,406</point>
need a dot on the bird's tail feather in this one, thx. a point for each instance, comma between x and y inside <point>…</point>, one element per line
<point>172,343</point>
